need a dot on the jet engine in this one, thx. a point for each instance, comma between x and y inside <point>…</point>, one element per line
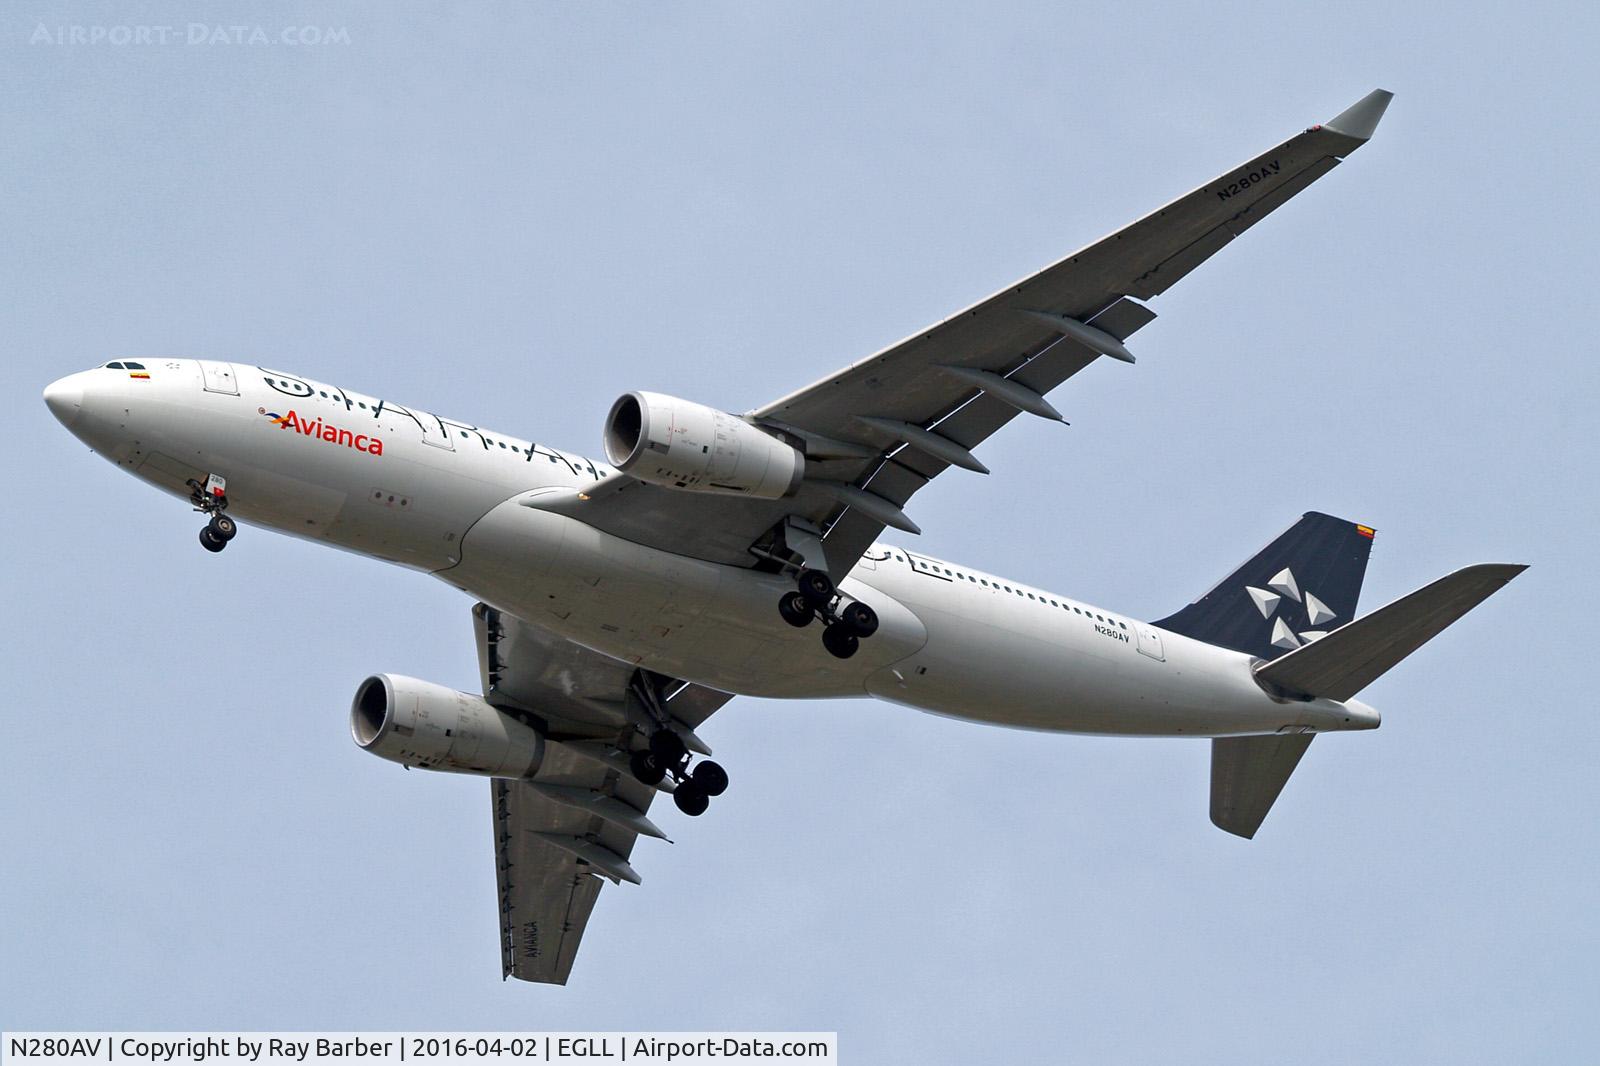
<point>682,445</point>
<point>416,723</point>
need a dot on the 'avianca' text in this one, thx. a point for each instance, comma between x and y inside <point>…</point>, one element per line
<point>325,431</point>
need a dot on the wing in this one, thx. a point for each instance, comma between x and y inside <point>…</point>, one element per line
<point>877,431</point>
<point>575,823</point>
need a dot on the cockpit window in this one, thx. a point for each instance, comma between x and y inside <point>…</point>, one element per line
<point>133,366</point>
<point>113,366</point>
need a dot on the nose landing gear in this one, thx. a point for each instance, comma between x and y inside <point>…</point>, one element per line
<point>845,627</point>
<point>211,499</point>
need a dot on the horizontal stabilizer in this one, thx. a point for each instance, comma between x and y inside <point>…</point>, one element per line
<point>1353,656</point>
<point>1361,119</point>
<point>1247,773</point>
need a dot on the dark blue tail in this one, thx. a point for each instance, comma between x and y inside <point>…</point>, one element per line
<point>1298,587</point>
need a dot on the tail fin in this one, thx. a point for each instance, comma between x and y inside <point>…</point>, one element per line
<point>1292,591</point>
<point>1247,773</point>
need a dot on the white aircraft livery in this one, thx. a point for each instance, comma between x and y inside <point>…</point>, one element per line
<point>621,603</point>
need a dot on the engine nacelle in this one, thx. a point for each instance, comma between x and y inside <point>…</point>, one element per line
<point>417,723</point>
<point>682,445</point>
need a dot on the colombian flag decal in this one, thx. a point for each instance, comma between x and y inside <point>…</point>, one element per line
<point>1366,531</point>
<point>139,374</point>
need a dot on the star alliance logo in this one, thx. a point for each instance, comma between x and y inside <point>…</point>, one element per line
<point>1284,625</point>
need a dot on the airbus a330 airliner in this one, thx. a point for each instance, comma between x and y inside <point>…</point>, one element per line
<point>622,603</point>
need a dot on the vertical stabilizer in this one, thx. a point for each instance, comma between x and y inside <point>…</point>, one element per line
<point>1292,592</point>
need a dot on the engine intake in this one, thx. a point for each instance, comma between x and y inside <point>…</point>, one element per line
<point>417,723</point>
<point>683,445</point>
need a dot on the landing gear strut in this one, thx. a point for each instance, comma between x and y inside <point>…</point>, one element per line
<point>211,500</point>
<point>666,755</point>
<point>846,625</point>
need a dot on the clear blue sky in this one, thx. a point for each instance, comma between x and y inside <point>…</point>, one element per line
<point>512,213</point>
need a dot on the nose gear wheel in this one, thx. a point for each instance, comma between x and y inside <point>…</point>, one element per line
<point>211,499</point>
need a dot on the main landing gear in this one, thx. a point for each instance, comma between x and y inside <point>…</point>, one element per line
<point>211,499</point>
<point>845,625</point>
<point>667,755</point>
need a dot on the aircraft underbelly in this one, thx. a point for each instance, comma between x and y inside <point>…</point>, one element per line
<point>994,661</point>
<point>944,651</point>
<point>712,624</point>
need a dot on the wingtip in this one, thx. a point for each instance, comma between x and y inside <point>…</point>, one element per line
<point>1499,573</point>
<point>1361,119</point>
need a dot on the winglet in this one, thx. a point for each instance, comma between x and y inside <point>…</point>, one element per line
<point>1360,120</point>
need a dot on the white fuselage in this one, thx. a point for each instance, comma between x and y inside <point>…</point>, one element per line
<point>446,497</point>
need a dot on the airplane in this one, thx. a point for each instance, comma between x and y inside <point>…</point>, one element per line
<point>621,603</point>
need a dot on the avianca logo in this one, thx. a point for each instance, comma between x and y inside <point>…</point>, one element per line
<point>326,431</point>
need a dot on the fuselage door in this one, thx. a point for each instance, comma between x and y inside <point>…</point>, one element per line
<point>219,377</point>
<point>434,431</point>
<point>872,557</point>
<point>1149,638</point>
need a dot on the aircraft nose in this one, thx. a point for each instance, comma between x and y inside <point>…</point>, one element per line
<point>65,399</point>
